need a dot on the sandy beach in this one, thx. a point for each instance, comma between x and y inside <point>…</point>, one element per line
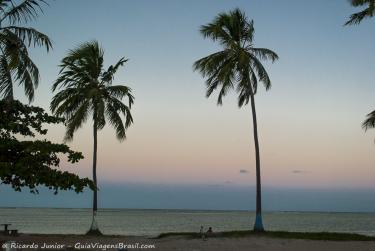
<point>56,242</point>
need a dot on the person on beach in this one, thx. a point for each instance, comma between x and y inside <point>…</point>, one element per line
<point>209,231</point>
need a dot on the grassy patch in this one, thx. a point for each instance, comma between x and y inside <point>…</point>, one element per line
<point>329,236</point>
<point>326,236</point>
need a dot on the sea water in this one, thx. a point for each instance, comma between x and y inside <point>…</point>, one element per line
<point>154,222</point>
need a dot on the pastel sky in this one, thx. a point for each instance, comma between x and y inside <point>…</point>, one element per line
<point>309,122</point>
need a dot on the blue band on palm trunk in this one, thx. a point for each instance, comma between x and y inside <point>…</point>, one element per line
<point>258,222</point>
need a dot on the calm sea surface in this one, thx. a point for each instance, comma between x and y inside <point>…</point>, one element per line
<point>153,222</point>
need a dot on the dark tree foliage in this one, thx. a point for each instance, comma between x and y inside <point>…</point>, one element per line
<point>29,163</point>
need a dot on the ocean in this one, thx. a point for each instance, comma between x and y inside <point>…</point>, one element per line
<point>153,222</point>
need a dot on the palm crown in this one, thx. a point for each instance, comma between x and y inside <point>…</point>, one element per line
<point>239,62</point>
<point>15,63</point>
<point>86,88</point>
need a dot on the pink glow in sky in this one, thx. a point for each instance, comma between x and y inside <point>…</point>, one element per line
<point>309,122</point>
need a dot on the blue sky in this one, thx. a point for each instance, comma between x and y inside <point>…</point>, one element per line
<point>310,120</point>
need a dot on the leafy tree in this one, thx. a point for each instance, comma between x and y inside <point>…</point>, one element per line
<point>357,17</point>
<point>237,66</point>
<point>16,66</point>
<point>29,163</point>
<point>86,90</point>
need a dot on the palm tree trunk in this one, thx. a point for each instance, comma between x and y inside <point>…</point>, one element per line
<point>94,225</point>
<point>258,226</point>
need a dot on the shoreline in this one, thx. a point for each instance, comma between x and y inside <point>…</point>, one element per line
<point>323,236</point>
<point>195,210</point>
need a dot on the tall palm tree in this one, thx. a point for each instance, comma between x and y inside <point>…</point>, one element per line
<point>369,11</point>
<point>15,64</point>
<point>86,90</point>
<point>238,66</point>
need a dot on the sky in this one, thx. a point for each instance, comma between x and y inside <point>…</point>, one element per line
<point>309,121</point>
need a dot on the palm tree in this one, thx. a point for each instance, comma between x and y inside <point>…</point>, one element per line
<point>238,66</point>
<point>15,63</point>
<point>86,90</point>
<point>369,11</point>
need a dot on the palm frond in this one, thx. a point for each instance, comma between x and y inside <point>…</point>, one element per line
<point>108,75</point>
<point>25,78</point>
<point>247,86</point>
<point>76,121</point>
<point>24,12</point>
<point>370,121</point>
<point>219,70</point>
<point>66,102</point>
<point>264,54</point>
<point>27,74</point>
<point>113,110</point>
<point>116,121</point>
<point>31,36</point>
<point>357,17</point>
<point>211,63</point>
<point>248,32</point>
<point>6,83</point>
<point>261,71</point>
<point>230,29</point>
<point>119,92</point>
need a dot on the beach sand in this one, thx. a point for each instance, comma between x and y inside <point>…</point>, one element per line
<point>184,244</point>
